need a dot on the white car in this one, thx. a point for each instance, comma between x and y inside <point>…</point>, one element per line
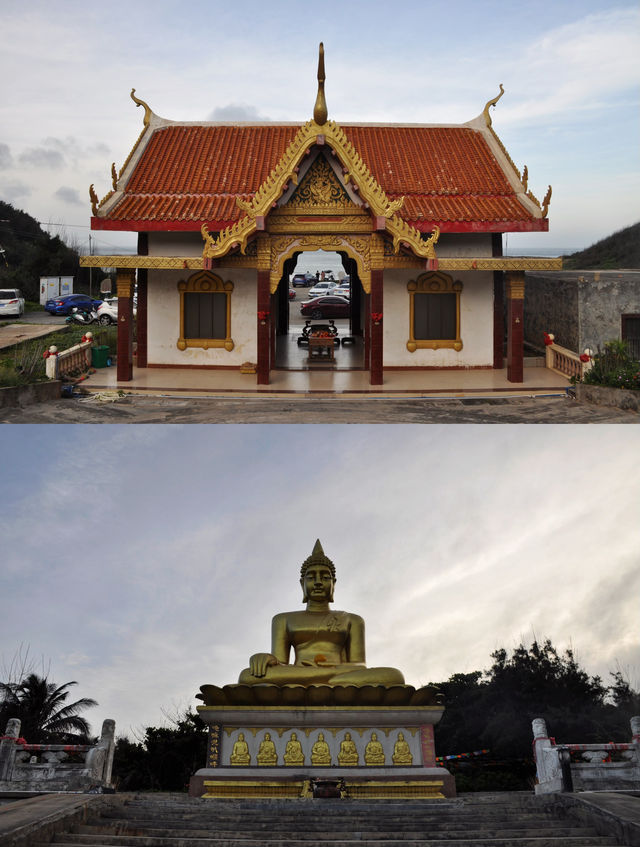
<point>108,312</point>
<point>342,291</point>
<point>11,302</point>
<point>321,288</point>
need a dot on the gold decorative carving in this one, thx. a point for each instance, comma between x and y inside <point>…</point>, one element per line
<point>493,102</point>
<point>240,754</point>
<point>361,790</point>
<point>374,752</point>
<point>402,752</point>
<point>114,176</point>
<point>319,191</point>
<point>205,282</point>
<point>545,203</point>
<point>525,178</point>
<point>286,220</point>
<point>125,282</point>
<point>320,112</point>
<point>433,283</point>
<point>515,285</point>
<point>357,247</point>
<point>293,754</point>
<point>267,755</point>
<point>320,753</point>
<point>94,200</point>
<point>348,754</point>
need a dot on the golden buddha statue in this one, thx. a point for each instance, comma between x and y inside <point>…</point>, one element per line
<point>293,754</point>
<point>348,754</point>
<point>401,752</point>
<point>328,645</point>
<point>267,754</point>
<point>240,754</point>
<point>374,752</point>
<point>320,753</point>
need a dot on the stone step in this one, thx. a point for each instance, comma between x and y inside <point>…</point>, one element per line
<point>556,830</point>
<point>353,840</point>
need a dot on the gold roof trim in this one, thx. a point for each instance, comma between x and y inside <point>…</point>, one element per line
<point>354,169</point>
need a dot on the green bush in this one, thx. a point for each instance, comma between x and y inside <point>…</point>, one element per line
<point>614,367</point>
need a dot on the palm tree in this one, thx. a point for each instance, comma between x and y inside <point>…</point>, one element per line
<point>43,710</point>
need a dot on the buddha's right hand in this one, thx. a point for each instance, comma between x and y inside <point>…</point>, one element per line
<point>259,663</point>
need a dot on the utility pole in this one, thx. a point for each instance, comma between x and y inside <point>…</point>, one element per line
<point>90,268</point>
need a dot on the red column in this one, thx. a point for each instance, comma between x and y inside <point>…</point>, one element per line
<point>125,282</point>
<point>141,319</point>
<point>264,324</point>
<point>515,326</point>
<point>376,328</point>
<point>498,319</point>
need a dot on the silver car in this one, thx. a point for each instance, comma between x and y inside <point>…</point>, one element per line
<point>11,303</point>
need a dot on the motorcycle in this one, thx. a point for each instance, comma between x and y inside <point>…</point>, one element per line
<point>82,316</point>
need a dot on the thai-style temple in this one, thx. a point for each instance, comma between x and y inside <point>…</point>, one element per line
<point>416,213</point>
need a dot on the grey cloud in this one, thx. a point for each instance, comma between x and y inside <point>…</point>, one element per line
<point>6,160</point>
<point>236,112</point>
<point>41,157</point>
<point>68,195</point>
<point>14,190</point>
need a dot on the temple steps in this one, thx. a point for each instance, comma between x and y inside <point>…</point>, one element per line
<point>509,820</point>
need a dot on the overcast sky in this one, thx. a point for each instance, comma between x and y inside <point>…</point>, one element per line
<point>145,561</point>
<point>569,67</point>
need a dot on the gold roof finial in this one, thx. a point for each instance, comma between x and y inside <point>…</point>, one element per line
<point>493,102</point>
<point>147,108</point>
<point>320,109</point>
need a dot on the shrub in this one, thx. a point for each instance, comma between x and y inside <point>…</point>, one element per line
<point>614,367</point>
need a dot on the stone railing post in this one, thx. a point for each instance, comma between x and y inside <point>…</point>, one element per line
<point>8,749</point>
<point>548,762</point>
<point>99,760</point>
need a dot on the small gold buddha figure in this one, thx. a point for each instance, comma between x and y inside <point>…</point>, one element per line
<point>374,753</point>
<point>293,754</point>
<point>240,754</point>
<point>401,752</point>
<point>267,755</point>
<point>320,753</point>
<point>348,754</point>
<point>328,645</point>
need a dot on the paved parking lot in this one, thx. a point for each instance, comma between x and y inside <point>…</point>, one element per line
<point>110,409</point>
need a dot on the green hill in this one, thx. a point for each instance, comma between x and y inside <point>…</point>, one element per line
<point>29,253</point>
<point>620,250</point>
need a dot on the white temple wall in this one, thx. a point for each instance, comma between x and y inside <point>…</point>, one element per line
<point>175,244</point>
<point>164,321</point>
<point>476,323</point>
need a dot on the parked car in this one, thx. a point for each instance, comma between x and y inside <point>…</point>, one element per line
<point>321,288</point>
<point>326,307</point>
<point>11,302</point>
<point>292,294</point>
<point>108,312</point>
<point>342,291</point>
<point>303,280</point>
<point>63,305</point>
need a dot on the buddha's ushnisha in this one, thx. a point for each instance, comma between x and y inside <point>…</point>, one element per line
<point>328,645</point>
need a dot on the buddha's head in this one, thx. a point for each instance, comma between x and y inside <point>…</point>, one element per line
<point>317,576</point>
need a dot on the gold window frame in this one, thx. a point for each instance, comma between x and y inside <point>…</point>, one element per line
<point>205,282</point>
<point>433,283</point>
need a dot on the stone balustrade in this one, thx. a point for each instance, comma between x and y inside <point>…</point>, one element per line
<point>585,767</point>
<point>565,362</point>
<point>55,767</point>
<point>65,362</point>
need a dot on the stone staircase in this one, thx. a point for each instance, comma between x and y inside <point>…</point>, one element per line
<point>497,820</point>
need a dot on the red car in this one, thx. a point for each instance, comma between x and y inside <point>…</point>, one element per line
<point>326,307</point>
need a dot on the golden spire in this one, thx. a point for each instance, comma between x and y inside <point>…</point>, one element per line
<point>320,109</point>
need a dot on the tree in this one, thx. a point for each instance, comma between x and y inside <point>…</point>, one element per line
<point>42,708</point>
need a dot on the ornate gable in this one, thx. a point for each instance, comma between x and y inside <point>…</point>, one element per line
<point>320,192</point>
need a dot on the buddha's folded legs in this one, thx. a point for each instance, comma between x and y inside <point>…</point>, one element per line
<point>312,675</point>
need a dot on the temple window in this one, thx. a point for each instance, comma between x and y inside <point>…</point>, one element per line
<point>205,312</point>
<point>434,312</point>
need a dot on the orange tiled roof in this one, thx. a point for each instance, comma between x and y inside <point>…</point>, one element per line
<point>187,175</point>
